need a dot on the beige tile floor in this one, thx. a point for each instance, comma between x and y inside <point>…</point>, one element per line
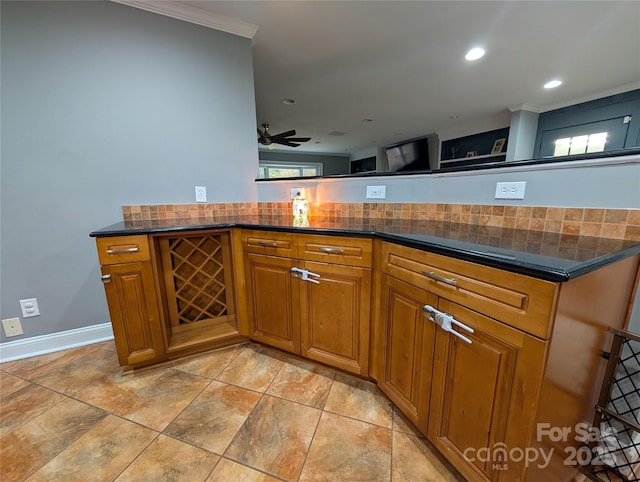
<point>244,413</point>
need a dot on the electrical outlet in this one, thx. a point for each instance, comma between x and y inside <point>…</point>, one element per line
<point>12,327</point>
<point>510,190</point>
<point>29,307</point>
<point>376,192</point>
<point>201,194</point>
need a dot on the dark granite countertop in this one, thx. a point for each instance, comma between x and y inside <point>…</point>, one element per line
<point>544,255</point>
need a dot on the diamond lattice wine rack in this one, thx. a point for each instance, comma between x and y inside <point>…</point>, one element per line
<point>197,280</point>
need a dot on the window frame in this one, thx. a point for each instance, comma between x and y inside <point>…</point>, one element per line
<point>300,166</point>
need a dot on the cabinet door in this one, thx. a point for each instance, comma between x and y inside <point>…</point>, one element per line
<point>335,316</point>
<point>273,301</point>
<point>133,307</point>
<point>408,343</point>
<point>484,395</point>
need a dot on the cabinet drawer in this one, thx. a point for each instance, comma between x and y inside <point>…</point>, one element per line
<point>269,242</point>
<point>335,249</point>
<point>517,300</point>
<point>123,249</point>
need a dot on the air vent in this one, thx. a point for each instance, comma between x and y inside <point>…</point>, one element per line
<point>337,133</point>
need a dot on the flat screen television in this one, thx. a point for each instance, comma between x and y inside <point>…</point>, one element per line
<point>409,156</point>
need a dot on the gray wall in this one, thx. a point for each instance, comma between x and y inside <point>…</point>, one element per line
<point>614,183</point>
<point>331,163</point>
<point>105,105</point>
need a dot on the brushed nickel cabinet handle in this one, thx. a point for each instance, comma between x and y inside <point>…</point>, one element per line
<point>269,244</point>
<point>134,249</point>
<point>326,249</point>
<point>106,278</point>
<point>432,275</point>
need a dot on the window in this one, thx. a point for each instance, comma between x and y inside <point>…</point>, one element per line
<point>580,144</point>
<point>275,169</point>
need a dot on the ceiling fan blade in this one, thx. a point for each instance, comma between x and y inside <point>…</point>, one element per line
<point>298,139</point>
<point>284,134</point>
<point>287,143</point>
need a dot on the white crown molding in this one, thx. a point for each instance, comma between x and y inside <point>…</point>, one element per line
<point>189,13</point>
<point>527,107</point>
<point>39,345</point>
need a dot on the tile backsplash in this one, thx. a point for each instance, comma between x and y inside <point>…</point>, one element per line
<point>607,223</point>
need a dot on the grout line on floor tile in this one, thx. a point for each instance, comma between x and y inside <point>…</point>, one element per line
<point>241,347</point>
<point>70,443</point>
<point>139,453</point>
<point>313,437</point>
<point>252,468</point>
<point>36,416</point>
<point>285,357</point>
<point>365,421</point>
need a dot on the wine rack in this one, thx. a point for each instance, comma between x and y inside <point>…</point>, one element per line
<point>616,453</point>
<point>197,279</point>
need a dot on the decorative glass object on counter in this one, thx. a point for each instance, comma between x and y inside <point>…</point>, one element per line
<point>300,210</point>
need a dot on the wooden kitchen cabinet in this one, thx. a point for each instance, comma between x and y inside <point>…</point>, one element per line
<point>534,357</point>
<point>325,317</point>
<point>483,394</point>
<point>127,275</point>
<point>169,294</point>
<point>335,316</point>
<point>409,340</point>
<point>273,301</point>
<point>463,396</point>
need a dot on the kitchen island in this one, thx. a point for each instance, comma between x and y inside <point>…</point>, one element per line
<point>476,333</point>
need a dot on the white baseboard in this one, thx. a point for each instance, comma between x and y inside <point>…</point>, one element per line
<point>39,345</point>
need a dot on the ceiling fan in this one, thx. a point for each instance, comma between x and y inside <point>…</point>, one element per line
<point>283,138</point>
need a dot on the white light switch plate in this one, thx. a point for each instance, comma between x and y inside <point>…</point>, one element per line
<point>510,190</point>
<point>201,194</point>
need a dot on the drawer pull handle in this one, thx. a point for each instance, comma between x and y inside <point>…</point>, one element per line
<point>133,249</point>
<point>445,321</point>
<point>106,278</point>
<point>325,249</point>
<point>268,244</point>
<point>432,275</point>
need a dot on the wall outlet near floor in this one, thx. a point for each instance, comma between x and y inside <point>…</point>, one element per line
<point>201,194</point>
<point>376,192</point>
<point>510,190</point>
<point>29,307</point>
<point>12,327</point>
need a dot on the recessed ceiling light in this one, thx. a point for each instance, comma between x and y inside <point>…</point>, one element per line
<point>474,54</point>
<point>552,84</point>
<point>288,101</point>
